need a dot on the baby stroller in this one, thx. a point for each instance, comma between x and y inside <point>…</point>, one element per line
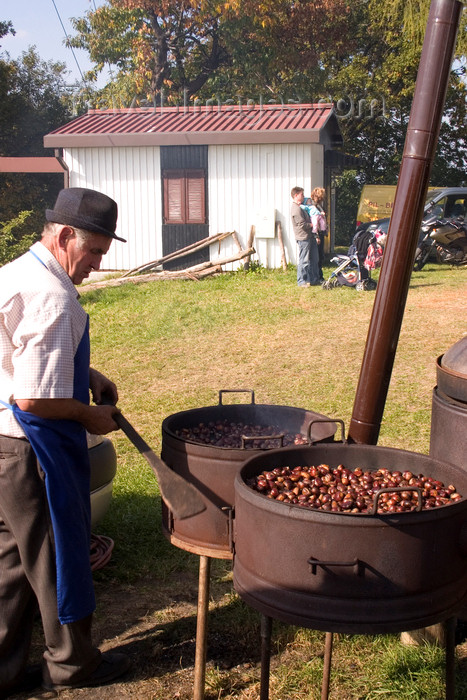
<point>354,269</point>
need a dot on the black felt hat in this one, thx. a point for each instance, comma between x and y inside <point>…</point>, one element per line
<point>86,209</point>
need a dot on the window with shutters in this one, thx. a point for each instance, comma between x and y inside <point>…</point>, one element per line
<point>184,197</point>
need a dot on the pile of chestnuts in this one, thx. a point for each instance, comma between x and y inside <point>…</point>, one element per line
<point>343,490</point>
<point>224,433</point>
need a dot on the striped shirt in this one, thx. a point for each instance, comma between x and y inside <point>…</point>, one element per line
<point>41,326</point>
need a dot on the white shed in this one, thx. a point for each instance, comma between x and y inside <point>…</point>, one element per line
<point>180,175</point>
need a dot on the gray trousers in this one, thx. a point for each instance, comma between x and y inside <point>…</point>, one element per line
<point>28,577</point>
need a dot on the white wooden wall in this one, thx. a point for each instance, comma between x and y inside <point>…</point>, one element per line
<point>131,176</point>
<point>245,180</point>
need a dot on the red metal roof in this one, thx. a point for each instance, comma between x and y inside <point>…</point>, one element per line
<point>240,123</point>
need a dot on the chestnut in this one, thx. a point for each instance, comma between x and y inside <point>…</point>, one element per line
<point>342,490</point>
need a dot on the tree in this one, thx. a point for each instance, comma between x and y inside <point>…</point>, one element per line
<point>6,27</point>
<point>361,55</point>
<point>210,48</point>
<point>348,187</point>
<point>31,105</point>
<point>384,69</point>
<point>451,153</point>
<point>276,46</point>
<point>174,44</point>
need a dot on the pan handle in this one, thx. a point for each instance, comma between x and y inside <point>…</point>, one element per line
<point>397,489</point>
<point>236,391</point>
<point>314,563</point>
<point>253,438</point>
<point>325,420</point>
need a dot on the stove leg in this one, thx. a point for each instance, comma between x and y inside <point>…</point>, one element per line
<point>266,632</point>
<point>450,631</point>
<point>327,666</point>
<point>201,627</point>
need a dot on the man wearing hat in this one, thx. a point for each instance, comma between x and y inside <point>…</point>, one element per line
<point>45,381</point>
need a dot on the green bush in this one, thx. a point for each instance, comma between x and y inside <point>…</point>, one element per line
<point>13,239</point>
<point>348,191</point>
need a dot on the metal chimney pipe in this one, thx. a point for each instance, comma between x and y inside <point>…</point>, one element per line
<point>419,150</point>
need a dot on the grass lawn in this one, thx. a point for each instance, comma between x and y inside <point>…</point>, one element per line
<point>172,346</point>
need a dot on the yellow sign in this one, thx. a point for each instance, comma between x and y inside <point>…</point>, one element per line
<point>376,202</point>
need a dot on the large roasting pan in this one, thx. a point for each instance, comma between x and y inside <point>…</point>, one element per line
<point>212,469</point>
<point>350,573</point>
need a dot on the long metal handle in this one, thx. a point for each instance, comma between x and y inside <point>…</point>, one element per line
<point>180,495</point>
<point>134,437</point>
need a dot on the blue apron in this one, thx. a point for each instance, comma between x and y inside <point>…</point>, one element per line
<point>61,449</point>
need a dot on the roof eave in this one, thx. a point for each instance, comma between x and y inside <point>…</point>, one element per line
<point>180,138</point>
<point>30,164</point>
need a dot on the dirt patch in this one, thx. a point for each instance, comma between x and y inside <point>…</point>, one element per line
<point>156,627</point>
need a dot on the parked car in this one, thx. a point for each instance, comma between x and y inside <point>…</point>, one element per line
<point>103,460</point>
<point>447,203</point>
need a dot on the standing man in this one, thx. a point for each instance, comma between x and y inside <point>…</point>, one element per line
<point>307,247</point>
<point>45,380</point>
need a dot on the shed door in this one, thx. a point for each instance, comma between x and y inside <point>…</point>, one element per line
<point>185,209</point>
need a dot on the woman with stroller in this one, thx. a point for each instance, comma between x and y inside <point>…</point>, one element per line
<point>318,220</point>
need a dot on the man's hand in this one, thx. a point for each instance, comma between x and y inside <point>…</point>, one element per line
<point>100,420</point>
<point>97,420</point>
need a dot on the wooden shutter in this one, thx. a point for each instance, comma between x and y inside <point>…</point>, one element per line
<point>174,197</point>
<point>195,198</point>
<point>184,197</point>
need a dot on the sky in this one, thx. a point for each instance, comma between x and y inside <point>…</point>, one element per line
<point>37,23</point>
